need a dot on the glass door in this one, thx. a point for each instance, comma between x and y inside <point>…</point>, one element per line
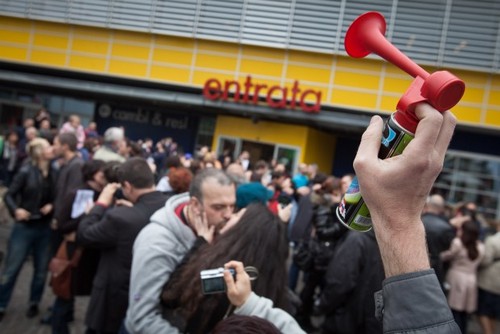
<point>232,146</point>
<point>228,146</point>
<point>288,156</point>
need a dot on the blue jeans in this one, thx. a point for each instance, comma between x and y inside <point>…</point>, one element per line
<point>25,239</point>
<point>62,311</point>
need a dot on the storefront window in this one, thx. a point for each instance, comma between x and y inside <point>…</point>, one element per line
<point>471,177</point>
<point>206,130</point>
<point>228,146</point>
<point>62,107</point>
<point>287,156</point>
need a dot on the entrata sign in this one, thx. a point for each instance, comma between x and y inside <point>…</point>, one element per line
<point>215,90</point>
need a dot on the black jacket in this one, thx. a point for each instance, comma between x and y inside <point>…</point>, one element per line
<point>25,192</point>
<point>114,231</point>
<point>301,227</point>
<point>354,274</point>
<point>70,178</point>
<point>439,234</point>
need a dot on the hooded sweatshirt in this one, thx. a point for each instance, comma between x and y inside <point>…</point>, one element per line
<point>158,249</point>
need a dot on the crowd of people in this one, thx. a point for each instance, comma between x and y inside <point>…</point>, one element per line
<point>140,221</point>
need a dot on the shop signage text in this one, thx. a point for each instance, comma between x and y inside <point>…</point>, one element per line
<point>285,98</point>
<point>144,117</point>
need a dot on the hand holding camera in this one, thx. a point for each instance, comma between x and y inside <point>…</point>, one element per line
<point>239,287</point>
<point>212,280</point>
<point>234,279</point>
<point>107,195</point>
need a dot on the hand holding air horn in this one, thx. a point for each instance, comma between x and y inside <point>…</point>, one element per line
<point>440,89</point>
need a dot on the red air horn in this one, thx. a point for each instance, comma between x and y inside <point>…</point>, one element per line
<point>440,89</point>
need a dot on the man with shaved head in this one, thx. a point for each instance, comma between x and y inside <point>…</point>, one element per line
<point>439,232</point>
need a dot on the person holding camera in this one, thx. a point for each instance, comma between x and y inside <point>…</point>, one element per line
<point>113,230</point>
<point>193,298</point>
<point>164,242</point>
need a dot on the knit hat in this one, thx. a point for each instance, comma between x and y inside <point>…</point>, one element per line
<point>252,192</point>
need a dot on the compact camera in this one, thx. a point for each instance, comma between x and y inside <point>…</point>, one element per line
<point>212,280</point>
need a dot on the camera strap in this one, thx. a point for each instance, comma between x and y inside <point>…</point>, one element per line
<point>252,272</point>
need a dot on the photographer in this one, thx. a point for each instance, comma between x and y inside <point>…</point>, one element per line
<point>239,292</point>
<point>258,233</point>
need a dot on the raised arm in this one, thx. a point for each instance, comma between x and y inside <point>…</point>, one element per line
<point>395,190</point>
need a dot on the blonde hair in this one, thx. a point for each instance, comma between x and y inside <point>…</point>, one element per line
<point>35,149</point>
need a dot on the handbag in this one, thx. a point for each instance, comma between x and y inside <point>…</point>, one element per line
<point>60,268</point>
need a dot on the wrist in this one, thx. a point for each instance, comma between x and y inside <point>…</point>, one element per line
<point>101,204</point>
<point>403,249</point>
<point>242,300</point>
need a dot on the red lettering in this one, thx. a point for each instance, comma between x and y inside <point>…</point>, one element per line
<point>212,90</point>
<point>277,104</point>
<point>248,85</point>
<point>315,107</point>
<point>295,91</point>
<point>212,93</point>
<point>256,94</point>
<point>227,87</point>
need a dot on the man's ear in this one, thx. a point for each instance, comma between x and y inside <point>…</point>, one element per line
<point>126,185</point>
<point>195,204</point>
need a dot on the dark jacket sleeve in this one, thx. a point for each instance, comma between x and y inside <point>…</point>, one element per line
<point>342,274</point>
<point>15,188</point>
<point>98,228</point>
<point>68,182</point>
<point>66,224</point>
<point>75,176</point>
<point>415,303</point>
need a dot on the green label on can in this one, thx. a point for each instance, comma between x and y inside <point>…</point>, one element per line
<point>352,210</point>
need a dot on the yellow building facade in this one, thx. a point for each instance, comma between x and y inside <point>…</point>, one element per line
<point>364,86</point>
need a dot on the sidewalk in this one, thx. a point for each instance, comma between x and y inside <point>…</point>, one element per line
<point>15,321</point>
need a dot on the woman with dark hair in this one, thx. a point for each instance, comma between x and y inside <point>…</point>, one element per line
<point>258,234</point>
<point>30,201</point>
<point>465,255</point>
<point>245,324</point>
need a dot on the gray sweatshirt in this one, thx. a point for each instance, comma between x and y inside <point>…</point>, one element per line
<point>158,249</point>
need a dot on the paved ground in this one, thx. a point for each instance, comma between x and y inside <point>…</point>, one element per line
<point>15,321</point>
